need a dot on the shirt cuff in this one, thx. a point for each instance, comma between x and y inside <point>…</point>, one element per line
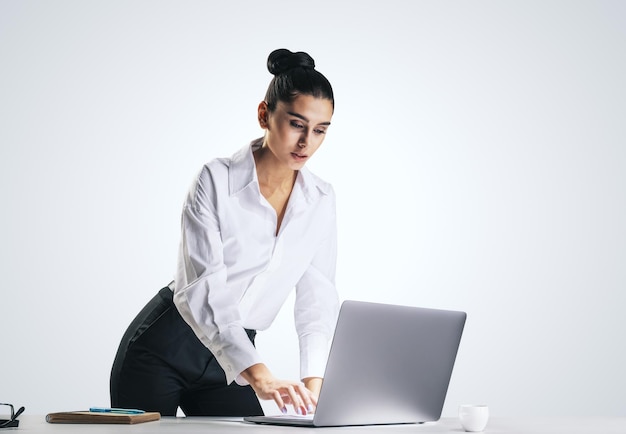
<point>235,354</point>
<point>314,349</point>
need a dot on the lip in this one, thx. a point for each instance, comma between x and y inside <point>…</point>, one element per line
<point>299,157</point>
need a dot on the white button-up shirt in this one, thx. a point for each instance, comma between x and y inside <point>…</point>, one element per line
<point>234,272</point>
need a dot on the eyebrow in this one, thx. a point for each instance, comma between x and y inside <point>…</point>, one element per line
<point>298,115</point>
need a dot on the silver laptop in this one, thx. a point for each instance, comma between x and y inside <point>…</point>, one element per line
<point>388,364</point>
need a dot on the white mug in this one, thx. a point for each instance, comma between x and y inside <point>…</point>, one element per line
<point>473,418</point>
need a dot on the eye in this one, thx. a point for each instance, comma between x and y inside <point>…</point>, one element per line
<point>296,124</point>
<point>319,131</point>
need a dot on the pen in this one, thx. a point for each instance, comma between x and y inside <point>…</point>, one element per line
<point>115,410</point>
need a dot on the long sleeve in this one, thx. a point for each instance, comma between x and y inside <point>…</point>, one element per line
<point>317,304</point>
<point>202,295</point>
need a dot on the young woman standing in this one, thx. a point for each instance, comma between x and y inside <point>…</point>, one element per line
<point>254,227</point>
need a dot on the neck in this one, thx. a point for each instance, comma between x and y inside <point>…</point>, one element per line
<point>271,173</point>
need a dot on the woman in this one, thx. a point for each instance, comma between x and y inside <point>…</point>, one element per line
<point>254,226</point>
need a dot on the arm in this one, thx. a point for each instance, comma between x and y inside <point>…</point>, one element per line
<point>314,384</point>
<point>201,295</point>
<point>317,305</point>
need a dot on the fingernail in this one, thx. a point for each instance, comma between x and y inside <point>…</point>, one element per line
<point>284,410</point>
<point>310,407</point>
<point>298,411</point>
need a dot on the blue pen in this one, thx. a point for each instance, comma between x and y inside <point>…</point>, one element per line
<point>115,410</point>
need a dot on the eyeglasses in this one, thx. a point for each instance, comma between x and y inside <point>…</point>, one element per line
<point>12,421</point>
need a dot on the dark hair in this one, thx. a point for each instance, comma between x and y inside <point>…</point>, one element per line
<point>294,74</point>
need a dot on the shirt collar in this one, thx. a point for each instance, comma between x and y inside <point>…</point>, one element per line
<point>312,187</point>
<point>242,173</point>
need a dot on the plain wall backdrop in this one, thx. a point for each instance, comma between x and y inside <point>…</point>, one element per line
<point>478,151</point>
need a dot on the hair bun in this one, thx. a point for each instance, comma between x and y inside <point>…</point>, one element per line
<point>282,60</point>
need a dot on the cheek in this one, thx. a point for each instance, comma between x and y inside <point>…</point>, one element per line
<point>320,139</point>
<point>316,145</point>
<point>279,136</point>
<point>286,133</point>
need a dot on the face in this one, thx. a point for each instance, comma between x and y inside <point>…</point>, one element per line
<point>294,131</point>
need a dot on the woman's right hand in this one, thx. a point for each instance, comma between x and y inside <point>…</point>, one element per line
<point>283,392</point>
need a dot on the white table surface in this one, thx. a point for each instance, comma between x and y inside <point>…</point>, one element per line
<point>207,425</point>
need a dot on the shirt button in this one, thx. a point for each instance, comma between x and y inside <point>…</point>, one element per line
<point>219,353</point>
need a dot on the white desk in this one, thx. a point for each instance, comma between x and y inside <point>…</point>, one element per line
<point>199,425</point>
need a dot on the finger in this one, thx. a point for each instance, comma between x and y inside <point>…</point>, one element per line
<point>306,396</point>
<point>296,400</point>
<point>279,401</point>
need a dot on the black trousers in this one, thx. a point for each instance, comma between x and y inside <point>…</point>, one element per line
<point>161,365</point>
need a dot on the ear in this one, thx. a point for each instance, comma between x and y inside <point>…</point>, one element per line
<point>263,115</point>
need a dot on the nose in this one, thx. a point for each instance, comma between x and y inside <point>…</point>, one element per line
<point>304,140</point>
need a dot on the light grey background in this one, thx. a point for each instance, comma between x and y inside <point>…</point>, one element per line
<point>477,150</point>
